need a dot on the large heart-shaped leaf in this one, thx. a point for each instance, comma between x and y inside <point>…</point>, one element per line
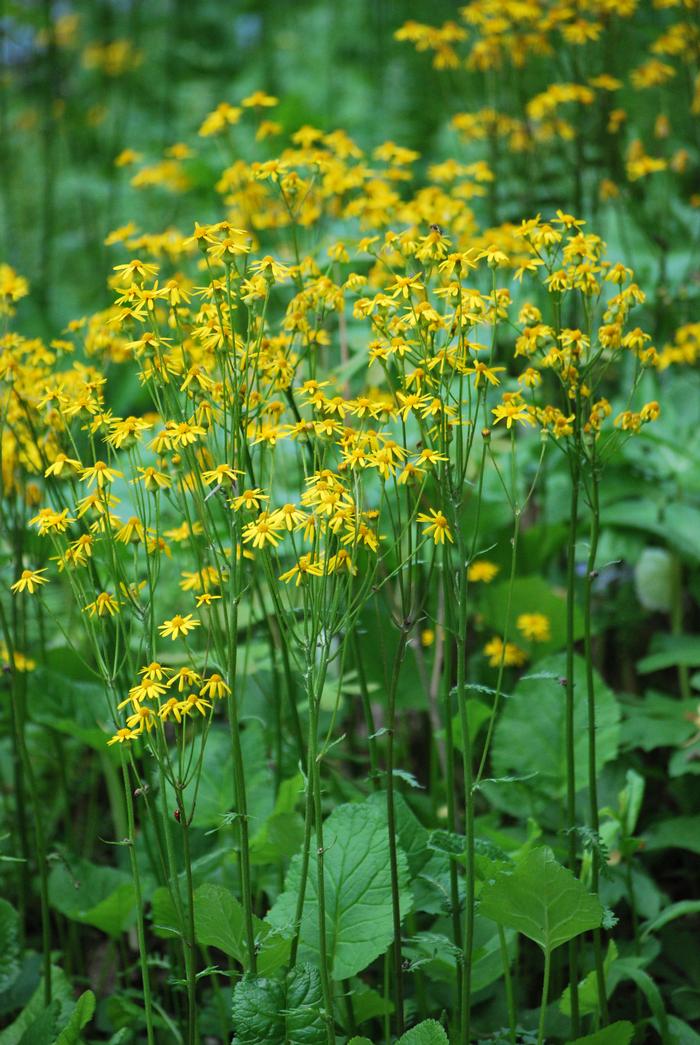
<point>541,900</point>
<point>357,892</point>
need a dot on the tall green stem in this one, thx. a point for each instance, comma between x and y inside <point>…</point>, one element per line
<point>569,739</point>
<point>592,767</point>
<point>545,993</point>
<point>391,824</point>
<point>136,877</point>
<point>191,941</point>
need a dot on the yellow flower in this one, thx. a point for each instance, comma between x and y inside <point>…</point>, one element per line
<point>435,526</point>
<point>511,655</point>
<point>122,735</point>
<point>248,499</point>
<point>304,567</point>
<point>194,702</point>
<point>142,718</point>
<point>99,472</point>
<point>215,686</point>
<point>171,707</point>
<point>30,581</point>
<point>205,599</point>
<point>178,625</point>
<point>60,462</point>
<point>104,604</point>
<point>482,571</point>
<point>185,678</point>
<point>262,531</point>
<point>510,412</point>
<point>534,626</point>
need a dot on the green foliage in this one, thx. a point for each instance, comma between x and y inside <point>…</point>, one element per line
<point>270,1012</point>
<point>426,1033</point>
<point>619,1033</point>
<point>530,733</point>
<point>100,896</point>
<point>542,900</point>
<point>358,892</point>
<point>9,945</point>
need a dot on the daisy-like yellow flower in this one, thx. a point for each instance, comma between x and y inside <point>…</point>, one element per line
<point>178,625</point>
<point>171,707</point>
<point>30,581</point>
<point>222,473</point>
<point>105,604</point>
<point>121,736</point>
<point>484,372</point>
<point>303,567</point>
<point>510,412</point>
<point>100,473</point>
<point>262,531</point>
<point>60,462</point>
<point>534,626</point>
<point>152,479</point>
<point>206,598</point>
<point>248,499</point>
<point>482,571</point>
<point>142,718</point>
<point>194,702</point>
<point>215,686</point>
<point>185,678</point>
<point>435,526</point>
<point>512,655</point>
<point>49,521</point>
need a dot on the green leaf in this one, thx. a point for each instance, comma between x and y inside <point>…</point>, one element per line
<point>678,832</point>
<point>429,1032</point>
<point>679,527</point>
<point>100,896</point>
<point>9,945</point>
<point>669,651</point>
<point>676,910</point>
<point>629,969</point>
<point>164,916</point>
<point>219,920</point>
<point>619,1033</point>
<point>80,1017</point>
<point>588,987</point>
<point>542,900</point>
<point>36,1007</point>
<point>267,1012</point>
<point>530,734</point>
<point>359,1041</point>
<point>655,720</point>
<point>358,892</point>
<point>282,834</point>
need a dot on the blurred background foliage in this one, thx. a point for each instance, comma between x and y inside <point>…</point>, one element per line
<point>82,82</point>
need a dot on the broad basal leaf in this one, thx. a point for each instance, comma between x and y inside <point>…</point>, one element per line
<point>619,1033</point>
<point>267,1012</point>
<point>429,1032</point>
<point>357,887</point>
<point>99,896</point>
<point>541,900</point>
<point>9,945</point>
<point>530,734</point>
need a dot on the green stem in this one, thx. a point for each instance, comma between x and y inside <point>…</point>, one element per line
<point>140,931</point>
<point>508,981</point>
<point>569,718</point>
<point>543,1003</point>
<point>191,941</point>
<point>592,766</point>
<point>391,824</point>
<point>677,621</point>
